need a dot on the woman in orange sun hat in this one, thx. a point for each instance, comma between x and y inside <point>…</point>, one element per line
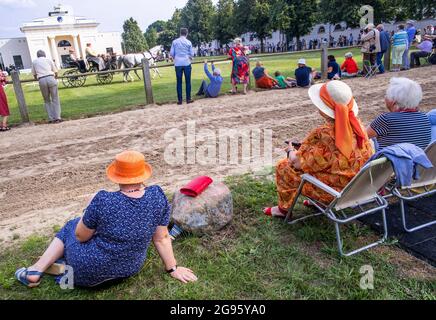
<point>110,241</point>
<point>333,152</point>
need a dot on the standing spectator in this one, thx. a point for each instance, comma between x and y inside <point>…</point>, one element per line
<point>370,45</point>
<point>399,45</point>
<point>183,53</point>
<point>425,47</point>
<point>385,42</point>
<point>4,107</point>
<point>45,71</point>
<point>240,66</point>
<point>411,33</point>
<point>351,40</point>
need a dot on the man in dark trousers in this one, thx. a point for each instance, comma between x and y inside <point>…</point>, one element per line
<point>183,53</point>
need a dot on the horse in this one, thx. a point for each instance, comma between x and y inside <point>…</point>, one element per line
<point>134,60</point>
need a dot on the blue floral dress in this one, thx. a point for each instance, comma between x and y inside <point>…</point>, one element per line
<point>124,229</point>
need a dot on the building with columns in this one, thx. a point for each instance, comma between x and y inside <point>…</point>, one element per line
<point>56,34</point>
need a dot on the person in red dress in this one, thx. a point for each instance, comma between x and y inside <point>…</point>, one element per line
<point>4,108</point>
<point>240,67</point>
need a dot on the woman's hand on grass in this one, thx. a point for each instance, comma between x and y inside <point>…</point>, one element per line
<point>184,275</point>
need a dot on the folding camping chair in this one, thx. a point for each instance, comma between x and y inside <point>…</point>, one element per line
<point>426,183</point>
<point>369,69</point>
<point>360,193</point>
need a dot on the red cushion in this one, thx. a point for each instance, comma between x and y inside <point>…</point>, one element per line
<point>196,186</point>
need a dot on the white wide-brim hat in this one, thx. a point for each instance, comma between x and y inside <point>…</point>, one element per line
<point>338,90</point>
<point>302,61</point>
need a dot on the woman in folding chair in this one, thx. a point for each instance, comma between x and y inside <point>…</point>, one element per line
<point>333,153</point>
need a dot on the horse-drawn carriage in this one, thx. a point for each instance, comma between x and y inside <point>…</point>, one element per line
<point>75,76</point>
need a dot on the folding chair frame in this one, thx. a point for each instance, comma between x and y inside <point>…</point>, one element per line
<point>381,205</point>
<point>410,197</point>
<point>371,70</point>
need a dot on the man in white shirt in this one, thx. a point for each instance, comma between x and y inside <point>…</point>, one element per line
<point>183,53</point>
<point>45,71</point>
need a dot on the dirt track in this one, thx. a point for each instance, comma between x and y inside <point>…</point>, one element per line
<point>49,172</point>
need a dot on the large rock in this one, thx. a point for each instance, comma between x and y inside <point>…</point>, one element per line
<point>208,213</point>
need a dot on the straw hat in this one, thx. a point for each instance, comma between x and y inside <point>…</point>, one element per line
<point>129,167</point>
<point>338,90</point>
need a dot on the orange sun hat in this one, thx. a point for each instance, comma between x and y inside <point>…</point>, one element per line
<point>129,167</point>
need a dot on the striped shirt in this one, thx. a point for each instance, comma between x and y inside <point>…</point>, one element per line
<point>402,127</point>
<point>401,38</point>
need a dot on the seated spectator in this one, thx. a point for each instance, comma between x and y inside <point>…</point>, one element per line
<point>333,71</point>
<point>283,82</point>
<point>404,123</point>
<point>304,75</point>
<point>333,153</point>
<point>263,80</point>
<point>425,47</point>
<point>432,116</point>
<point>213,89</point>
<point>349,68</point>
<point>111,240</point>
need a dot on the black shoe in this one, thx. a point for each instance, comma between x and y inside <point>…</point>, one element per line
<point>190,101</point>
<point>180,103</point>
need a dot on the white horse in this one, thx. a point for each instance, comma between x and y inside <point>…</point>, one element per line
<point>134,60</point>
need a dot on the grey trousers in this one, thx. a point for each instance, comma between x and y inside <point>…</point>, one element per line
<point>49,90</point>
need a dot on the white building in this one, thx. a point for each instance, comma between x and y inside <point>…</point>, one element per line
<point>56,35</point>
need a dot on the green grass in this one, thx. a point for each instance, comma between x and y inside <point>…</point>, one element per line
<point>96,99</point>
<point>254,258</point>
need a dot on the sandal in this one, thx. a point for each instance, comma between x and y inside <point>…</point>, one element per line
<point>56,269</point>
<point>23,273</point>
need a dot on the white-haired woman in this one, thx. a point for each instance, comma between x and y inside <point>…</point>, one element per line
<point>241,67</point>
<point>404,123</point>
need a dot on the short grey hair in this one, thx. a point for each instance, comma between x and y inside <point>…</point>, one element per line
<point>40,54</point>
<point>405,92</point>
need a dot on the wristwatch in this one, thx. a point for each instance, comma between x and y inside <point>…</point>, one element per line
<point>171,270</point>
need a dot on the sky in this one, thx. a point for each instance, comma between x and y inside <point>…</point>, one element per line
<point>110,13</point>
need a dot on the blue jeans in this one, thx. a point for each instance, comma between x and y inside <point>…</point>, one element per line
<point>179,74</point>
<point>380,62</point>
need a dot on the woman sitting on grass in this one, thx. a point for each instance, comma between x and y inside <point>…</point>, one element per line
<point>263,79</point>
<point>333,153</point>
<point>110,241</point>
<point>349,68</point>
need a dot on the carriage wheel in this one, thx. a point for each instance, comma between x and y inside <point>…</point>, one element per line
<point>105,78</point>
<point>74,82</point>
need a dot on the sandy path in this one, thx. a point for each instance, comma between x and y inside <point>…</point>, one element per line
<point>49,172</point>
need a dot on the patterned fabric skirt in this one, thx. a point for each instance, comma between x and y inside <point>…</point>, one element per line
<point>4,108</point>
<point>265,83</point>
<point>288,180</point>
<point>240,70</point>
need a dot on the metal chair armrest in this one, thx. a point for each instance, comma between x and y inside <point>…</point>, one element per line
<point>321,185</point>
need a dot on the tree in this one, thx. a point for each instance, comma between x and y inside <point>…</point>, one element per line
<point>158,25</point>
<point>171,31</point>
<point>254,16</point>
<point>197,16</point>
<point>151,37</point>
<point>223,21</point>
<point>294,17</point>
<point>133,38</point>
